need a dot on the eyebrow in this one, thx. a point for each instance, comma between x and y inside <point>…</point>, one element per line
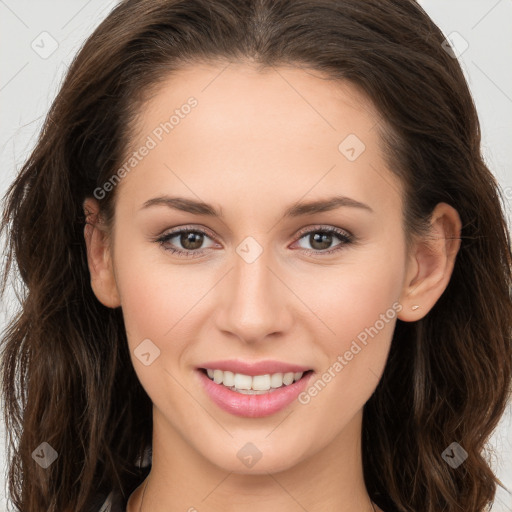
<point>295,210</point>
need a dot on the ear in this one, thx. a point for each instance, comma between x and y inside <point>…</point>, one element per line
<point>431,263</point>
<point>99,256</point>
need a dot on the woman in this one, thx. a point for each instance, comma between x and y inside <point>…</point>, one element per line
<point>266,268</point>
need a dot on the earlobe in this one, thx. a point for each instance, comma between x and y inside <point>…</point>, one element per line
<point>431,265</point>
<point>99,257</point>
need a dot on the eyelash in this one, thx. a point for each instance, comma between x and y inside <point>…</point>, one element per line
<point>345,237</point>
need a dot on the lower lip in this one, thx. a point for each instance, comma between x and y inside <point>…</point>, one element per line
<point>252,406</point>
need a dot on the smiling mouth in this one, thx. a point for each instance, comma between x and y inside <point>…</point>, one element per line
<point>253,385</point>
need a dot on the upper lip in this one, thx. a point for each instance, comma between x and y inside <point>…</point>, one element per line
<point>254,367</point>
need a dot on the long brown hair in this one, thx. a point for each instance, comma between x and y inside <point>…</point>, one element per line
<point>67,377</point>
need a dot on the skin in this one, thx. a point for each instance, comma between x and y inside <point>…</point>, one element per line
<point>257,142</point>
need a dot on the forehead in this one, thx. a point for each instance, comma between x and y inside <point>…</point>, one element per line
<point>246,95</point>
<point>237,127</point>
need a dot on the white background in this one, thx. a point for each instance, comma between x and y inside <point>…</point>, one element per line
<point>28,84</point>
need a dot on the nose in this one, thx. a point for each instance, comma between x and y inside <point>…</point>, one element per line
<point>254,302</point>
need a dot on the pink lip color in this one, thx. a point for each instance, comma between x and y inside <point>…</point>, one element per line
<point>252,406</point>
<point>255,368</point>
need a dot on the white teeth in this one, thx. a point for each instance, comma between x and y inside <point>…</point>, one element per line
<point>276,380</point>
<point>261,382</point>
<point>217,376</point>
<point>288,378</point>
<point>242,381</point>
<point>253,385</point>
<point>228,379</point>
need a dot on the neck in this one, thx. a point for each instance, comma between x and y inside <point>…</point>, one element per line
<point>181,479</point>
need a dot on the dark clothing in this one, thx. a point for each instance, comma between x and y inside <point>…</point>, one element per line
<point>108,500</point>
<point>112,503</point>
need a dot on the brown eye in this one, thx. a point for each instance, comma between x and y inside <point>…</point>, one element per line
<point>185,242</point>
<point>321,240</point>
<point>191,240</point>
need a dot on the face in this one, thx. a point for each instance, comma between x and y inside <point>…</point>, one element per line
<point>259,279</point>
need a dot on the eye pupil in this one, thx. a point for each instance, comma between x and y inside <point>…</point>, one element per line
<point>324,239</point>
<point>191,240</point>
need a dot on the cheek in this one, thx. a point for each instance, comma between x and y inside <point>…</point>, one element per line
<point>149,305</point>
<point>360,307</point>
<point>356,296</point>
<point>157,302</point>
<point>155,294</point>
<point>362,312</point>
<point>366,301</point>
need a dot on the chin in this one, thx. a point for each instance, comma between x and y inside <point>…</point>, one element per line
<point>256,458</point>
